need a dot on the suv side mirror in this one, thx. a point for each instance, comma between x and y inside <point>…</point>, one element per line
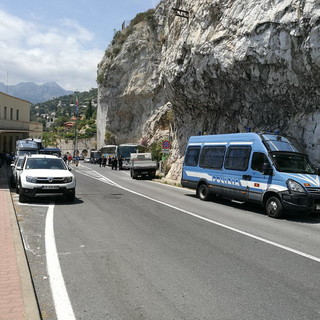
<point>267,169</point>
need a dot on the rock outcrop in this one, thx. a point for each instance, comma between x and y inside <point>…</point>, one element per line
<point>226,66</point>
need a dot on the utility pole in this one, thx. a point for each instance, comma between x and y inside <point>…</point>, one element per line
<point>75,142</point>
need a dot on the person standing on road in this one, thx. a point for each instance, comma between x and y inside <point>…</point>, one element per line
<point>100,161</point>
<point>120,163</point>
<point>77,159</point>
<point>69,158</point>
<point>115,163</point>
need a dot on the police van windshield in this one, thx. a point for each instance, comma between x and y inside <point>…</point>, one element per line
<point>280,143</point>
<point>292,162</point>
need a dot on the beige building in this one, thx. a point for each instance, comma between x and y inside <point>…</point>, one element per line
<point>15,122</point>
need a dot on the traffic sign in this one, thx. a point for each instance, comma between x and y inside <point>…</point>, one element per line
<point>166,144</point>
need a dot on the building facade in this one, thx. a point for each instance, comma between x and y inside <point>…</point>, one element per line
<point>15,122</point>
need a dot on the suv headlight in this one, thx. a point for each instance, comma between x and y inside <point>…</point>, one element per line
<point>31,179</point>
<point>294,186</point>
<point>67,179</point>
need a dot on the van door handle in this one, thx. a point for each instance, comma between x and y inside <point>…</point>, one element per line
<point>246,177</point>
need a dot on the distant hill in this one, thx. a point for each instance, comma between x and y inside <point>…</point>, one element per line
<point>34,93</point>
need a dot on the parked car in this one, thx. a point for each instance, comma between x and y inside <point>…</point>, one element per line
<point>16,170</point>
<point>87,160</point>
<point>45,174</point>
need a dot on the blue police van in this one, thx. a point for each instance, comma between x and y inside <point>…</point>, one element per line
<point>266,169</point>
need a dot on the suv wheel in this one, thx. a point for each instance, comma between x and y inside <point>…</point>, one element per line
<point>70,197</point>
<point>17,187</point>
<point>22,196</point>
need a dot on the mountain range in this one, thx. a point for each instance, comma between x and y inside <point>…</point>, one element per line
<point>33,92</point>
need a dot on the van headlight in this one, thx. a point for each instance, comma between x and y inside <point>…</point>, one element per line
<point>31,179</point>
<point>67,179</point>
<point>294,186</point>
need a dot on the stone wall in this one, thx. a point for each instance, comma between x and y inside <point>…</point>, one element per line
<point>82,145</point>
<point>232,65</point>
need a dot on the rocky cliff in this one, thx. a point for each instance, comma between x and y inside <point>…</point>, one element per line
<point>214,66</point>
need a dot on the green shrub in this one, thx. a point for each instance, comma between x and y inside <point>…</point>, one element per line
<point>143,16</point>
<point>156,150</point>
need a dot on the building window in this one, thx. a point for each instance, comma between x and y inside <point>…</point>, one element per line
<point>5,113</point>
<point>17,114</point>
<point>11,113</point>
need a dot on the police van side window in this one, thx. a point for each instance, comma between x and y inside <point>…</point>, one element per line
<point>258,159</point>
<point>237,158</point>
<point>192,156</point>
<point>212,157</point>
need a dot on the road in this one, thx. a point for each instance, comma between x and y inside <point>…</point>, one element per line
<point>136,249</point>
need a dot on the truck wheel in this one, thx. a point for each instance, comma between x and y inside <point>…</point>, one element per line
<point>132,174</point>
<point>203,192</point>
<point>274,208</point>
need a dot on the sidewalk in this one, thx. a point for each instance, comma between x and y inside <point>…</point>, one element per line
<point>17,297</point>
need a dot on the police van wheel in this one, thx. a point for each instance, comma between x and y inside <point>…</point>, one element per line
<point>204,193</point>
<point>274,208</point>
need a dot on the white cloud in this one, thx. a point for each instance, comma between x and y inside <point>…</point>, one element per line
<point>39,53</point>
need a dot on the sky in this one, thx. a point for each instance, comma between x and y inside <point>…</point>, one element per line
<point>60,41</point>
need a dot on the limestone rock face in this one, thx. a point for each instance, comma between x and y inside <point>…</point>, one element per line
<point>229,66</point>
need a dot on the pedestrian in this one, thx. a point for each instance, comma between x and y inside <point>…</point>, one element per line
<point>100,161</point>
<point>109,161</point>
<point>112,163</point>
<point>120,162</point>
<point>104,162</point>
<point>8,159</point>
<point>69,158</point>
<point>65,158</point>
<point>115,162</point>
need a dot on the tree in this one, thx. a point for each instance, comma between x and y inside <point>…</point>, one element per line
<point>89,111</point>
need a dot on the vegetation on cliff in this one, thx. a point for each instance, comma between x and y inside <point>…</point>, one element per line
<point>120,38</point>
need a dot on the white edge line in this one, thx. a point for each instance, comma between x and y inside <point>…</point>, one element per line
<point>275,244</point>
<point>60,295</point>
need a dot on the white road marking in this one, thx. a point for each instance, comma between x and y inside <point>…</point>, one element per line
<point>60,295</point>
<point>275,244</point>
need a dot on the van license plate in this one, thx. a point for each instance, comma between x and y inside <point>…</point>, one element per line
<point>50,187</point>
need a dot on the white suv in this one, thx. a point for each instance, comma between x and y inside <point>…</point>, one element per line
<point>45,174</point>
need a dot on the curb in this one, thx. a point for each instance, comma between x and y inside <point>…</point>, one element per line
<point>30,303</point>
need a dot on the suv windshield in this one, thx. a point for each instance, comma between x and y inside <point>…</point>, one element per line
<point>292,162</point>
<point>45,163</point>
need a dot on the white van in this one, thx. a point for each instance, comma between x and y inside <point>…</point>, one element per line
<point>262,168</point>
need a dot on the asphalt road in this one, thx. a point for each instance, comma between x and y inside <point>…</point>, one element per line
<point>135,249</point>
